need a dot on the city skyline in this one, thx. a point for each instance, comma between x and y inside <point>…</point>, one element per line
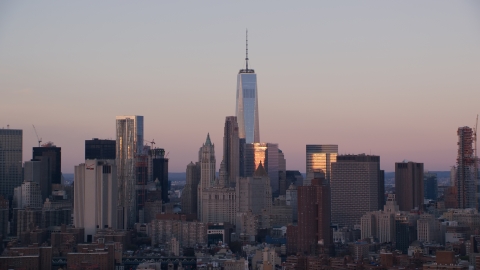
<point>398,89</point>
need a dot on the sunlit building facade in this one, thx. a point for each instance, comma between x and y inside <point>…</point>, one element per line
<point>269,156</point>
<point>321,156</point>
<point>129,144</point>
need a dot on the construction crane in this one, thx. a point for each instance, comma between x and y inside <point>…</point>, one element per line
<point>151,143</point>
<point>39,140</point>
<point>167,154</point>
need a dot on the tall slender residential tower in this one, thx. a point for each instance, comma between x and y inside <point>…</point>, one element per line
<point>247,103</point>
<point>465,181</point>
<point>129,145</point>
<point>231,150</point>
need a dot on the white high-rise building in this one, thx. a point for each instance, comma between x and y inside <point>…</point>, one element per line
<point>96,196</point>
<point>129,144</point>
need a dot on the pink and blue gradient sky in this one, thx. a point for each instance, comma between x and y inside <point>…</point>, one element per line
<point>391,78</point>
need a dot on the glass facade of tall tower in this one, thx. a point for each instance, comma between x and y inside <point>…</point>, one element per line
<point>247,106</point>
<point>321,156</point>
<point>10,160</point>
<point>129,144</point>
<point>268,155</point>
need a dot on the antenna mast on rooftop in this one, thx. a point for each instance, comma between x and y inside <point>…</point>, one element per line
<point>246,52</point>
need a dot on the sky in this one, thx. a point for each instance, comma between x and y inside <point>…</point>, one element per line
<point>390,78</point>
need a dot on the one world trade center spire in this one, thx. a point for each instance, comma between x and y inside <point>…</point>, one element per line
<point>247,103</point>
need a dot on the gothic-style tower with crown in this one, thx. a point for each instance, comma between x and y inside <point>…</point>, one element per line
<point>216,196</point>
<point>206,158</point>
<point>207,162</point>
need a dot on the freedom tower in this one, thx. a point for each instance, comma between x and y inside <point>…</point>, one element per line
<point>247,103</point>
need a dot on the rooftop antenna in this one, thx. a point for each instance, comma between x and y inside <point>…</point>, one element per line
<point>246,57</point>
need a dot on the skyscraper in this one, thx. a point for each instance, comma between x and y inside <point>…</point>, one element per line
<point>354,183</point>
<point>206,158</point>
<point>96,196</point>
<point>37,171</point>
<point>218,201</point>
<point>268,155</point>
<point>409,185</point>
<point>100,149</point>
<point>10,160</point>
<point>231,149</point>
<point>313,234</point>
<point>465,178</point>
<point>254,193</point>
<point>160,170</point>
<point>190,191</point>
<point>53,156</point>
<point>247,104</point>
<point>129,144</point>
<point>430,186</point>
<point>320,156</point>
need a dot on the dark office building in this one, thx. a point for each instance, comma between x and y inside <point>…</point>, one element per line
<point>409,185</point>
<point>294,177</point>
<point>430,187</point>
<point>10,161</point>
<point>160,171</point>
<point>405,234</point>
<point>381,189</point>
<point>99,149</point>
<point>52,157</point>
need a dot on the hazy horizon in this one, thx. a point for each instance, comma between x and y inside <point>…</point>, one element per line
<point>394,79</point>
